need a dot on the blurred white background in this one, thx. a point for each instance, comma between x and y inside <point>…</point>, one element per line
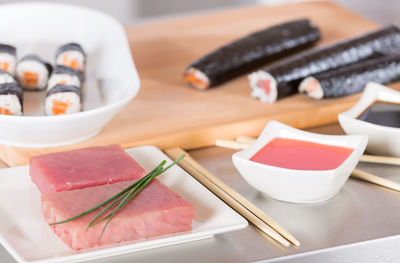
<point>132,11</point>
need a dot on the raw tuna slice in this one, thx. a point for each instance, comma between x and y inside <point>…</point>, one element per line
<point>155,211</point>
<point>82,168</point>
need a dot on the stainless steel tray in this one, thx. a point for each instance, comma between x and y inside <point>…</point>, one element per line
<point>360,224</point>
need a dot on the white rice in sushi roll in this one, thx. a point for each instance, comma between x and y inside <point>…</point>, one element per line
<point>11,99</point>
<point>33,73</point>
<point>8,58</point>
<point>6,77</point>
<point>63,99</point>
<point>64,75</point>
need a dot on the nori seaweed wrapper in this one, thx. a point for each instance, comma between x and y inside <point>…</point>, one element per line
<point>256,49</point>
<point>70,46</point>
<point>64,88</point>
<point>38,59</point>
<point>352,79</point>
<point>59,69</point>
<point>12,88</point>
<point>4,48</point>
<point>8,74</point>
<point>289,72</point>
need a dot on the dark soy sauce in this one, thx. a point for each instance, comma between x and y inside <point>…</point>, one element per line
<point>382,113</point>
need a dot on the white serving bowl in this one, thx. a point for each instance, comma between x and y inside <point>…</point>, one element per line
<point>111,77</point>
<point>382,140</point>
<point>298,186</point>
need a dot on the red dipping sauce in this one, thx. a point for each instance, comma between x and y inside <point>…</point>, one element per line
<point>301,155</point>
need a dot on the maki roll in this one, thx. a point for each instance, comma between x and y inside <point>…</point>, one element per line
<point>71,55</point>
<point>8,58</point>
<point>63,99</point>
<point>282,79</point>
<point>353,78</point>
<point>250,52</point>
<point>6,77</point>
<point>11,99</point>
<point>33,72</point>
<point>65,75</point>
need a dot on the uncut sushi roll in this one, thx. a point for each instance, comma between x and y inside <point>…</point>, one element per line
<point>71,55</point>
<point>33,72</point>
<point>63,99</point>
<point>65,75</point>
<point>11,98</point>
<point>282,79</point>
<point>250,52</point>
<point>353,78</point>
<point>8,58</point>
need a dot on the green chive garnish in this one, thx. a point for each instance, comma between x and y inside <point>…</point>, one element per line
<point>121,199</point>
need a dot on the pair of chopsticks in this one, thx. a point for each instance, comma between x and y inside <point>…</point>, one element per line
<point>243,142</point>
<point>244,207</point>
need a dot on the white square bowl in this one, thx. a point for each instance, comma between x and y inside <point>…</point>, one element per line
<point>382,140</point>
<point>111,73</point>
<point>298,186</point>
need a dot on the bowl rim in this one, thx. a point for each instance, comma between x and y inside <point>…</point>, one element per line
<point>359,142</point>
<point>372,92</point>
<point>129,93</point>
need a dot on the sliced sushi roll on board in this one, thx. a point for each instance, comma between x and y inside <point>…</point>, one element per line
<point>353,78</point>
<point>8,58</point>
<point>250,52</point>
<point>282,79</point>
<point>71,55</point>
<point>65,75</point>
<point>33,72</point>
<point>63,99</point>
<point>11,98</point>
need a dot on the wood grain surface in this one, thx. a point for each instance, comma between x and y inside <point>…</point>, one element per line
<point>167,113</point>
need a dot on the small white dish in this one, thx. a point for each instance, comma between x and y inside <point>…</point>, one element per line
<point>111,77</point>
<point>28,238</point>
<point>298,186</point>
<point>382,140</point>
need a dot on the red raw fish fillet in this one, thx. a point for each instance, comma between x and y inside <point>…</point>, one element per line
<point>56,172</point>
<point>155,211</point>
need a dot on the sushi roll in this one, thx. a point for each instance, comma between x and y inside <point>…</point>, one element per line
<point>33,72</point>
<point>8,58</point>
<point>65,75</point>
<point>11,99</point>
<point>250,52</point>
<point>71,55</point>
<point>63,99</point>
<point>353,78</point>
<point>6,77</point>
<point>282,79</point>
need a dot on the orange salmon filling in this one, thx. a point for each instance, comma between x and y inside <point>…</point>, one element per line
<point>4,65</point>
<point>72,63</point>
<point>5,111</point>
<point>60,107</point>
<point>190,77</point>
<point>31,77</point>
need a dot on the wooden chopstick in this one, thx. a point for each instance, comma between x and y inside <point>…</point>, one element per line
<point>244,142</point>
<point>3,164</point>
<point>366,158</point>
<point>234,199</point>
<point>375,180</point>
<point>231,144</point>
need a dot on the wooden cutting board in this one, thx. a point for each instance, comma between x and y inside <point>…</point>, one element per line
<point>167,113</point>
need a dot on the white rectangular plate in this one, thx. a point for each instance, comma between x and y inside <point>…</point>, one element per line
<point>28,238</point>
